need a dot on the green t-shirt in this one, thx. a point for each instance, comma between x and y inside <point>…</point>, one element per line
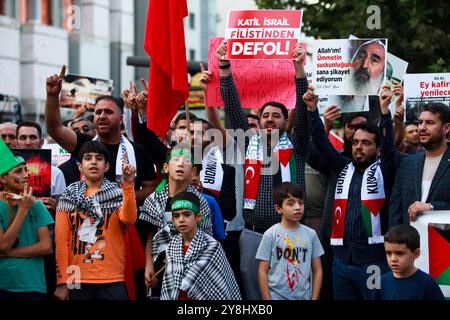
<point>24,274</point>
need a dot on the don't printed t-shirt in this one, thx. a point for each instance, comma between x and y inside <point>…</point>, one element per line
<point>290,253</point>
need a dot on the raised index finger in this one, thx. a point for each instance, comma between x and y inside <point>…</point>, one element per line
<point>144,83</point>
<point>63,72</point>
<point>202,68</point>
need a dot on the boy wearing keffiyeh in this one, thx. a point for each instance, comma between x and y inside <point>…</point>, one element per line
<point>91,218</point>
<point>197,268</point>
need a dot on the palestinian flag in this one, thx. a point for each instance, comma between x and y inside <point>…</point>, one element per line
<point>439,255</point>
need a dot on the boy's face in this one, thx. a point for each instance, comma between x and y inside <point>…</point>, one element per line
<point>400,258</point>
<point>93,166</point>
<point>292,209</point>
<point>179,168</point>
<point>15,179</point>
<point>185,221</point>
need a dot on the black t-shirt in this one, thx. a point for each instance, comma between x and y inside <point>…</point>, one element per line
<point>145,170</point>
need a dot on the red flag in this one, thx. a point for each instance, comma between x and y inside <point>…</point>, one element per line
<point>336,141</point>
<point>164,42</point>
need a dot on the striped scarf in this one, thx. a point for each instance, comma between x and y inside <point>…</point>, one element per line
<point>203,272</point>
<point>284,151</point>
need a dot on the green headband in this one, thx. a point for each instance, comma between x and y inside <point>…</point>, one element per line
<point>186,205</point>
<point>179,152</point>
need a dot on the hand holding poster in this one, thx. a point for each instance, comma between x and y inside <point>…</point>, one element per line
<point>80,91</point>
<point>423,88</point>
<point>349,67</point>
<point>262,34</point>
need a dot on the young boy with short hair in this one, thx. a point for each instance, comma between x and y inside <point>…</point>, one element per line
<point>90,225</point>
<point>197,268</point>
<point>405,282</point>
<point>24,233</point>
<point>289,252</point>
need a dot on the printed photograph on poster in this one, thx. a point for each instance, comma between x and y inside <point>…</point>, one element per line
<point>262,34</point>
<point>349,66</point>
<point>434,231</point>
<point>39,166</point>
<point>257,81</point>
<point>80,91</point>
<point>423,88</point>
<point>347,104</point>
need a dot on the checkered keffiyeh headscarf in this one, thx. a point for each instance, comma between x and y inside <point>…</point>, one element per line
<point>203,272</point>
<point>154,208</point>
<point>107,200</point>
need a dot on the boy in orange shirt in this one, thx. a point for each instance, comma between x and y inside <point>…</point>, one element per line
<point>90,224</point>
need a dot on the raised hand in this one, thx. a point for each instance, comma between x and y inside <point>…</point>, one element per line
<point>129,97</point>
<point>141,98</point>
<point>299,54</point>
<point>206,77</point>
<point>221,53</point>
<point>332,113</point>
<point>311,99</point>
<point>128,174</point>
<point>398,91</point>
<point>54,83</point>
<point>385,99</point>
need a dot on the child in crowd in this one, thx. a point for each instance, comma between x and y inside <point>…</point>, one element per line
<point>405,282</point>
<point>90,225</point>
<point>24,233</point>
<point>197,268</point>
<point>289,253</point>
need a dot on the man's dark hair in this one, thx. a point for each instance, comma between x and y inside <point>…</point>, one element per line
<point>203,121</point>
<point>183,116</point>
<point>118,102</point>
<point>350,116</point>
<point>404,234</point>
<point>278,105</point>
<point>285,190</point>
<point>29,124</point>
<point>253,116</point>
<point>93,147</point>
<point>189,196</point>
<point>439,108</point>
<point>370,128</point>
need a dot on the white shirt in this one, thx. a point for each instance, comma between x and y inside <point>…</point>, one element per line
<point>429,170</point>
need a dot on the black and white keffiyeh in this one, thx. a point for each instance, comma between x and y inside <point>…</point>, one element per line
<point>203,272</point>
<point>106,201</point>
<point>154,209</point>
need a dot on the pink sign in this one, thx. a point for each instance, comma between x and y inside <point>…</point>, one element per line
<point>262,34</point>
<point>257,81</point>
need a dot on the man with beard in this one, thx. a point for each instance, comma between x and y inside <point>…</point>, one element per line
<point>363,187</point>
<point>286,156</point>
<point>369,61</point>
<point>423,179</point>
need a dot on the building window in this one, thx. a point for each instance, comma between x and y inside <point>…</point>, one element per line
<point>8,8</point>
<point>191,21</point>
<point>191,54</point>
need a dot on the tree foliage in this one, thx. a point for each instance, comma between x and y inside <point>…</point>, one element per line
<point>418,31</point>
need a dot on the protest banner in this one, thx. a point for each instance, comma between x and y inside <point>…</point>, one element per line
<point>423,88</point>
<point>262,34</point>
<point>347,104</point>
<point>257,81</point>
<point>395,71</point>
<point>59,154</point>
<point>349,66</point>
<point>434,259</point>
<point>39,166</point>
<point>80,91</point>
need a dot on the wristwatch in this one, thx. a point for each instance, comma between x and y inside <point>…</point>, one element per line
<point>431,207</point>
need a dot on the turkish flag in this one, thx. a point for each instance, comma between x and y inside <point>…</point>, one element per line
<point>339,211</point>
<point>252,176</point>
<point>164,42</point>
